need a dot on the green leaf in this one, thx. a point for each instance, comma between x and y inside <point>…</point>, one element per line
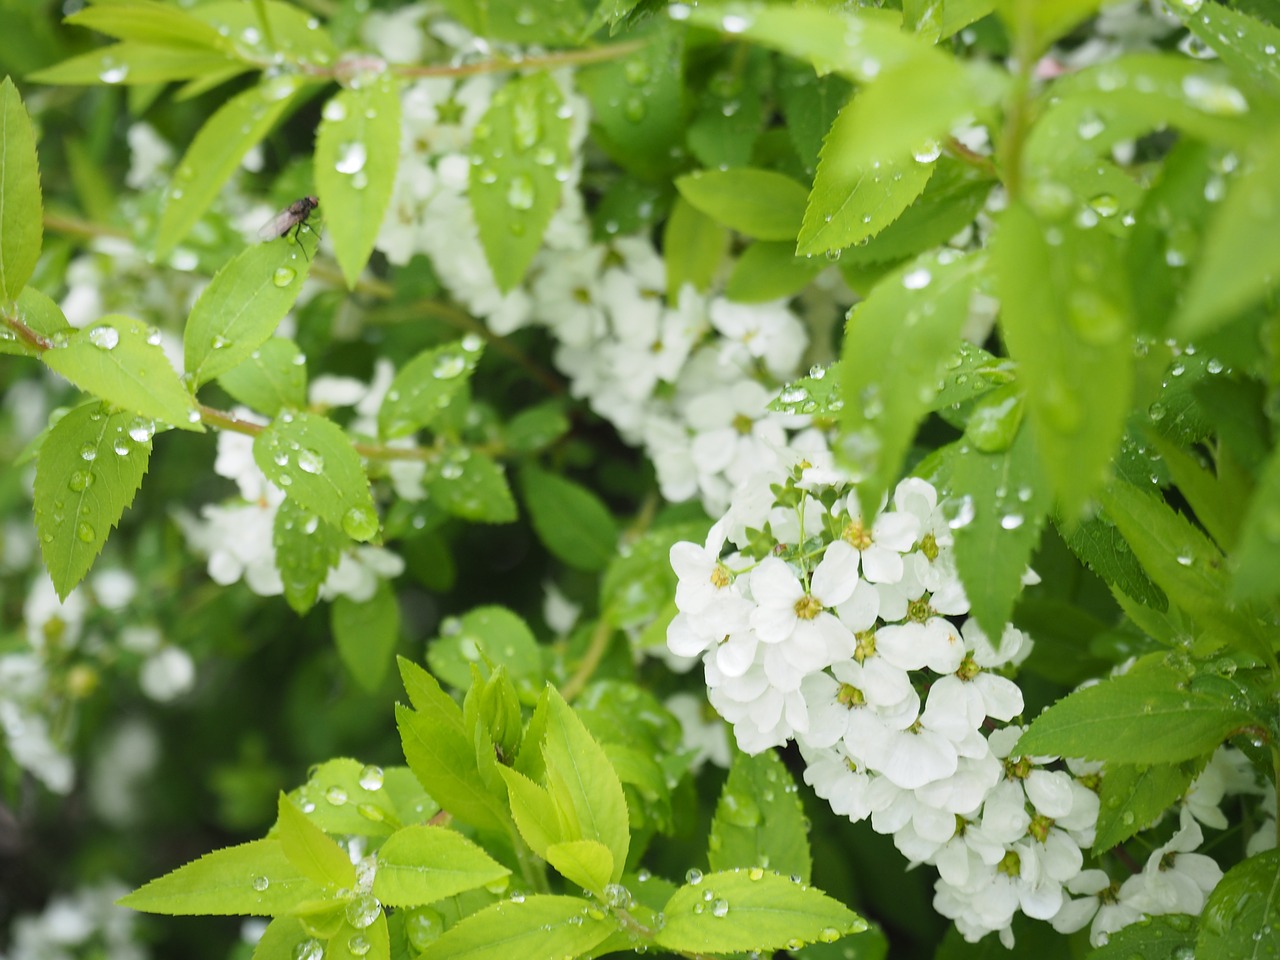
<point>1149,715</point>
<point>88,470</point>
<point>347,797</point>
<point>1102,549</point>
<point>752,910</point>
<point>306,548</point>
<point>21,214</point>
<point>637,583</point>
<point>310,850</point>
<point>120,360</point>
<point>810,104</point>
<point>311,459</point>
<point>533,810</point>
<point>39,313</point>
<point>759,203</point>
<point>820,394</point>
<point>896,343</point>
<point>357,151</point>
<point>254,879</point>
<point>993,550</point>
<point>535,926</point>
<point>1240,915</point>
<point>1218,500</point>
<point>1246,45</point>
<point>1239,262</point>
<point>570,520</point>
<point>536,427</point>
<point>372,942</point>
<point>426,386</point>
<point>216,152</point>
<point>273,378</point>
<point>1170,935</point>
<point>1043,23</point>
<point>759,820</point>
<point>1256,564</point>
<point>585,863</point>
<point>294,35</point>
<point>770,271</point>
<point>134,63</point>
<point>940,20</point>
<point>366,634</point>
<point>583,783</point>
<point>488,636</point>
<point>693,246</point>
<point>518,146</point>
<point>1134,796</point>
<point>1066,322</point>
<point>239,310</point>
<point>470,485</point>
<point>150,22</point>
<point>423,864</point>
<point>283,936</point>
<point>730,109</point>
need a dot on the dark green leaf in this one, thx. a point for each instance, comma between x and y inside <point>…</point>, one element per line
<point>537,427</point>
<point>810,104</point>
<point>306,548</point>
<point>366,634</point>
<point>1101,548</point>
<point>759,820</point>
<point>1136,796</point>
<point>472,486</point>
<point>21,213</point>
<point>1240,916</point>
<point>1171,935</point>
<point>570,520</point>
<point>730,112</point>
<point>273,378</point>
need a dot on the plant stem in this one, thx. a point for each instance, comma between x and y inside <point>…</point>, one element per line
<point>596,648</point>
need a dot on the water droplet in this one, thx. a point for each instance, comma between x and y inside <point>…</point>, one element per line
<point>1156,411</point>
<point>104,337</point>
<point>114,74</point>
<point>1011,521</point>
<point>693,877</point>
<point>720,908</point>
<point>1105,205</point>
<point>360,523</point>
<point>351,157</point>
<point>359,945</point>
<point>284,276</point>
<point>260,883</point>
<point>121,447</point>
<point>1090,126</point>
<point>1196,48</point>
<point>371,777</point>
<point>336,796</point>
<point>362,911</point>
<point>80,480</point>
<point>309,461</point>
<point>928,153</point>
<point>88,451</point>
<point>1214,96</point>
<point>85,531</point>
<point>448,365</point>
<point>733,23</point>
<point>917,279</point>
<point>142,430</point>
<point>334,110</point>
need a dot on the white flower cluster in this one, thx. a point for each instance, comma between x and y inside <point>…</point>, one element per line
<point>86,923</point>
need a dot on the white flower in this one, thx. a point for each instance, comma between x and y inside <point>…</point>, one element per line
<point>114,588</point>
<point>880,547</point>
<point>49,619</point>
<point>149,156</point>
<point>769,332</point>
<point>359,571</point>
<point>32,748</point>
<point>1175,880</point>
<point>167,674</point>
<point>704,737</point>
<point>786,613</point>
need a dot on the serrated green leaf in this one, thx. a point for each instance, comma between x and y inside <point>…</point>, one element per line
<point>515,152</point>
<point>423,864</point>
<point>366,634</point>
<point>371,942</point>
<point>533,810</point>
<point>253,879</point>
<point>586,863</point>
<point>489,636</point>
<point>1240,915</point>
<point>311,459</point>
<point>38,313</point>
<point>425,386</point>
<point>1245,44</point>
<point>759,820</point>
<point>216,152</point>
<point>1239,262</point>
<point>972,372</point>
<point>1149,715</point>
<point>1101,548</point>
<point>281,938</point>
<point>752,909</point>
<point>771,271</point>
<point>1134,796</point>
<point>308,848</point>
<point>306,548</point>
<point>293,35</point>
<point>357,151</point>
<point>83,486</point>
<point>730,110</point>
<point>1066,321</point>
<point>135,63</point>
<point>273,378</point>
<point>693,246</point>
<point>758,203</point>
<point>21,214</point>
<point>896,343</point>
<point>535,926</point>
<point>810,104</point>
<point>571,521</point>
<point>993,550</point>
<point>472,486</point>
<point>1218,500</point>
<point>1168,935</point>
<point>820,394</point>
<point>149,22</point>
<point>585,787</point>
<point>239,310</point>
<point>346,797</point>
<point>120,360</point>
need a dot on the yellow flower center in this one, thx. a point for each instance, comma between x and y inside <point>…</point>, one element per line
<point>808,607</point>
<point>856,535</point>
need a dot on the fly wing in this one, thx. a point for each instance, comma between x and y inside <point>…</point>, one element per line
<point>279,225</point>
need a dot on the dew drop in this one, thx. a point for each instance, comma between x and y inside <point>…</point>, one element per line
<point>351,158</point>
<point>260,883</point>
<point>336,796</point>
<point>309,949</point>
<point>85,531</point>
<point>88,452</point>
<point>371,777</point>
<point>104,337</point>
<point>80,480</point>
<point>284,276</point>
<point>360,523</point>
<point>309,461</point>
<point>917,279</point>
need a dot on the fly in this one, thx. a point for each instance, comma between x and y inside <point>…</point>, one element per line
<point>293,217</point>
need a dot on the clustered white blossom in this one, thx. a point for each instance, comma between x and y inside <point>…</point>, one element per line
<point>85,923</point>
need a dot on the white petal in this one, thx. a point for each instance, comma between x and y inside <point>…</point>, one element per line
<point>837,575</point>
<point>881,565</point>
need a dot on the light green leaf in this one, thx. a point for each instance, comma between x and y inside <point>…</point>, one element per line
<point>120,360</point>
<point>585,863</point>
<point>940,19</point>
<point>21,214</point>
<point>38,313</point>
<point>149,22</point>
<point>1044,22</point>
<point>1256,564</point>
<point>693,246</point>
<point>1134,796</point>
<point>818,394</point>
<point>1245,44</point>
<point>754,909</point>
<point>306,548</point>
<point>533,810</point>
<point>357,151</point>
<point>273,378</point>
<point>372,942</point>
<point>1150,715</point>
<point>310,850</point>
<point>294,34</point>
<point>366,634</point>
<point>88,470</point>
<point>1239,261</point>
<point>254,879</point>
<point>571,521</point>
<point>135,63</point>
<point>241,307</point>
<point>759,203</point>
<point>896,343</point>
<point>346,797</point>
<point>637,583</point>
<point>470,485</point>
<point>425,386</point>
<point>518,146</point>
<point>585,787</point>
<point>759,820</point>
<point>311,459</point>
<point>216,152</point>
<point>971,373</point>
<point>283,936</point>
<point>769,271</point>
<point>488,636</point>
<point>993,550</point>
<point>1065,319</point>
<point>1240,915</point>
<point>536,926</point>
<point>423,864</point>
